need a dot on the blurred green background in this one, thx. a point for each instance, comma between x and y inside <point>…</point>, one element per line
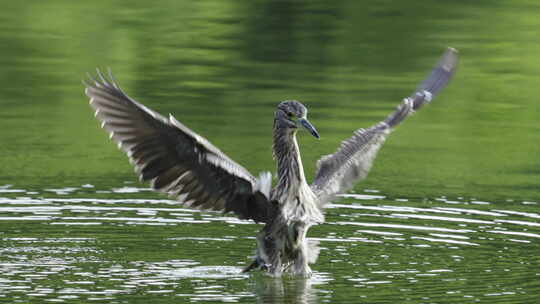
<point>221,67</point>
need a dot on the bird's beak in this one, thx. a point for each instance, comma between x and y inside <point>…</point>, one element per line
<point>306,124</point>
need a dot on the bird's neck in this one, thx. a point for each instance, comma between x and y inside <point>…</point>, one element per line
<point>289,164</point>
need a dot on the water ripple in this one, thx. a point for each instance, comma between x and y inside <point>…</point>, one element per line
<point>103,249</point>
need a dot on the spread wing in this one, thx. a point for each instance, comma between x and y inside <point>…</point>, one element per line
<point>174,159</point>
<point>338,172</point>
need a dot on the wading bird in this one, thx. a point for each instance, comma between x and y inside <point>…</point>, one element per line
<point>179,162</point>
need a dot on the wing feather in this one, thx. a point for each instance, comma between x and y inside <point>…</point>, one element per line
<point>338,172</point>
<point>173,158</point>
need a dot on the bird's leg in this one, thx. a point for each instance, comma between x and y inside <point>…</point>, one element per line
<point>298,248</point>
<point>301,266</point>
<point>268,253</point>
<point>253,265</point>
<point>273,256</point>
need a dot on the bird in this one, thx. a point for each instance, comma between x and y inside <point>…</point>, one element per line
<point>186,166</point>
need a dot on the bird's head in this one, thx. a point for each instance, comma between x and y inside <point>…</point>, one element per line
<point>292,114</point>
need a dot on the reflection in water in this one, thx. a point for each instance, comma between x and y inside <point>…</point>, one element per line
<point>289,289</point>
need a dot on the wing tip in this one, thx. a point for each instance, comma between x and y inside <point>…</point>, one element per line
<point>452,50</point>
<point>101,80</point>
<point>450,59</point>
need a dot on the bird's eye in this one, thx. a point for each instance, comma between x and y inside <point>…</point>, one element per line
<point>290,114</point>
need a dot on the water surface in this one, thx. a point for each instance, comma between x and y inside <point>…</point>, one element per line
<point>373,247</point>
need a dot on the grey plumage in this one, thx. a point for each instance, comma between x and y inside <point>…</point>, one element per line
<point>174,159</point>
<point>338,172</point>
<point>178,162</point>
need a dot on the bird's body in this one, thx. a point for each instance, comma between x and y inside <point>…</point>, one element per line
<point>282,242</point>
<point>177,161</point>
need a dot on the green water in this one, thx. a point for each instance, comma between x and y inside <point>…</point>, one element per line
<point>449,213</point>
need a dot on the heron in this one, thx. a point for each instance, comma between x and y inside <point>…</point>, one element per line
<point>177,161</point>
